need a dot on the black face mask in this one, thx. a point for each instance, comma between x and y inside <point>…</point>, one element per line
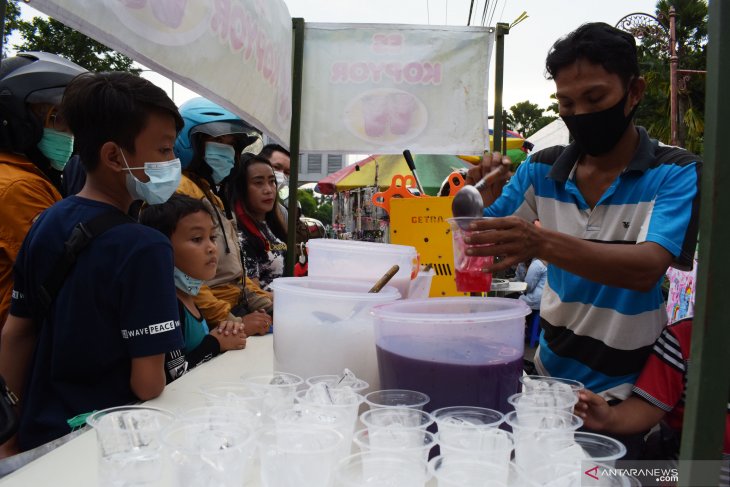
<point>598,132</point>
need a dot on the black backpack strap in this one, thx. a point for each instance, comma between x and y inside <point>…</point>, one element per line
<point>82,234</point>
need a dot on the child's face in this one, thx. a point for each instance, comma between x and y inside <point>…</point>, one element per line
<point>261,190</point>
<point>153,144</point>
<point>193,243</point>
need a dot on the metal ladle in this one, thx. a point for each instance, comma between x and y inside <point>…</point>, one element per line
<point>468,201</point>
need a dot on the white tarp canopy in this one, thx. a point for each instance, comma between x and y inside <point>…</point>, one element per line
<point>238,53</point>
<point>554,133</point>
<point>377,88</point>
<point>367,88</point>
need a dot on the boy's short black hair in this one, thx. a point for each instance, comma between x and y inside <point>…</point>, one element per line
<point>113,106</point>
<point>164,217</point>
<point>598,43</point>
<point>271,148</point>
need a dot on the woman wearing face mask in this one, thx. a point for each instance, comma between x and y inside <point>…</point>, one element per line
<point>208,146</point>
<point>252,193</point>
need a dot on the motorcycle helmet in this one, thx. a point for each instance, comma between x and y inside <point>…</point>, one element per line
<point>30,77</point>
<point>202,116</point>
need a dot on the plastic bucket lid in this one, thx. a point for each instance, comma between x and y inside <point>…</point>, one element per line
<point>357,246</point>
<point>452,310</point>
<point>320,287</point>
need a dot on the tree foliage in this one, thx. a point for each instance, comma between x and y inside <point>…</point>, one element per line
<point>527,118</point>
<point>12,16</point>
<point>53,36</point>
<point>654,109</point>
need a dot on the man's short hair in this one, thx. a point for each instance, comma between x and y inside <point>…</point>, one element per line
<point>271,148</point>
<point>114,106</point>
<point>164,217</point>
<point>598,43</point>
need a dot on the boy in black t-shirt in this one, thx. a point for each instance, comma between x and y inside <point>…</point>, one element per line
<point>103,341</point>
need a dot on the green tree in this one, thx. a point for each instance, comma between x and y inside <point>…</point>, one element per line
<point>52,36</point>
<point>654,109</point>
<point>309,204</point>
<point>324,213</point>
<point>527,118</point>
<point>12,15</point>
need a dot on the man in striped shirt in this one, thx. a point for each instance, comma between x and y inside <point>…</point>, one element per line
<point>617,209</point>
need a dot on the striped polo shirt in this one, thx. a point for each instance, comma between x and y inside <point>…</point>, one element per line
<point>602,335</point>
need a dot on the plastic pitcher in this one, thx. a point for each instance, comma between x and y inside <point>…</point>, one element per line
<point>460,351</point>
<point>322,326</point>
<point>362,261</point>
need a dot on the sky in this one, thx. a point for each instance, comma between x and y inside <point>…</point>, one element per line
<point>525,47</point>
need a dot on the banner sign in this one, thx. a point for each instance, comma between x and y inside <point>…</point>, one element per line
<point>237,53</point>
<point>379,89</point>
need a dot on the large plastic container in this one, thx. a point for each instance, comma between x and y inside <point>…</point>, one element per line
<point>362,261</point>
<point>460,351</point>
<point>324,325</point>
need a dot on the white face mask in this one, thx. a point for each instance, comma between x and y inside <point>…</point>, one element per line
<point>164,180</point>
<point>282,184</point>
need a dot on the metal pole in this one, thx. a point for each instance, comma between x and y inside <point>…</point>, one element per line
<point>3,8</point>
<point>673,62</point>
<point>502,30</point>
<point>708,379</point>
<point>296,111</point>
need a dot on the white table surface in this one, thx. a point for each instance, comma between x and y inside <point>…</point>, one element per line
<point>514,287</point>
<point>75,463</point>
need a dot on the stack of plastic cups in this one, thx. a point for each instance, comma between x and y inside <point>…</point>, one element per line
<point>129,450</point>
<point>332,407</point>
<point>393,447</point>
<point>471,442</point>
<point>548,448</point>
<point>279,390</point>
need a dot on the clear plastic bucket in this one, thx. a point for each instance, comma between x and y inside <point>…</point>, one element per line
<point>324,325</point>
<point>459,351</point>
<point>362,261</point>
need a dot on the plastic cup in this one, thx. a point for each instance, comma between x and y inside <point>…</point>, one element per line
<point>234,394</point>
<point>333,380</point>
<point>376,469</point>
<point>128,444</point>
<point>226,414</point>
<point>205,453</point>
<point>465,421</point>
<point>545,436</point>
<point>550,399</point>
<point>468,472</point>
<point>469,270</point>
<point>278,388</point>
<point>392,443</point>
<point>493,445</point>
<point>600,448</point>
<point>389,398</point>
<point>539,383</point>
<point>340,415</point>
<point>405,418</point>
<point>298,456</point>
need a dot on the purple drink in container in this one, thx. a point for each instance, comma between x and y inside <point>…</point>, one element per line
<point>459,351</point>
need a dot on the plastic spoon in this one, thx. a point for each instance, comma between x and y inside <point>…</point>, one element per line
<point>380,284</point>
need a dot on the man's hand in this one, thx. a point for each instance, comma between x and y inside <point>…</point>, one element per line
<point>257,323</point>
<point>495,160</point>
<point>513,239</point>
<point>230,327</point>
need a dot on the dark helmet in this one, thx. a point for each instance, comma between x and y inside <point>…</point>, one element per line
<point>30,77</point>
<point>202,116</point>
